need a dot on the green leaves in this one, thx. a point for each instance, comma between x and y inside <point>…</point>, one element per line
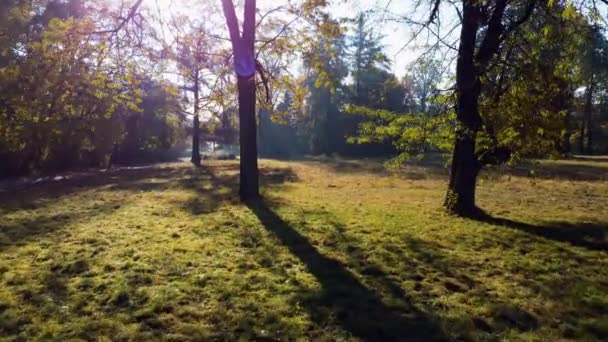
<point>63,95</point>
<point>569,12</point>
<point>413,134</point>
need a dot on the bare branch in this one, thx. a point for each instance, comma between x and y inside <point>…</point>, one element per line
<point>278,34</point>
<point>434,11</point>
<point>124,21</point>
<point>280,8</point>
<point>262,72</point>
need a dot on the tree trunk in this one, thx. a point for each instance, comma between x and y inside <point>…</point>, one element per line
<point>196,156</point>
<point>589,136</point>
<point>587,119</point>
<point>565,146</point>
<point>460,197</point>
<point>249,186</point>
<point>245,67</point>
<point>196,142</point>
<point>581,138</point>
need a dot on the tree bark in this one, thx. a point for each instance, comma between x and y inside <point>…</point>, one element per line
<point>249,185</point>
<point>586,131</point>
<point>244,67</point>
<point>196,156</point>
<point>565,145</point>
<point>460,197</point>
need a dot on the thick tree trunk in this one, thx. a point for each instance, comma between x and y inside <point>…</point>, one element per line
<point>249,185</point>
<point>245,68</point>
<point>460,197</point>
<point>196,156</point>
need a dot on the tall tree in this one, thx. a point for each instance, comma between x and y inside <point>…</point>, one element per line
<point>245,68</point>
<point>192,60</point>
<point>367,60</point>
<point>595,71</point>
<point>423,78</point>
<point>325,70</point>
<point>484,27</point>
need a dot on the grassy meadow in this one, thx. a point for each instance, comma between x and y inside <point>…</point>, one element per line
<point>337,250</point>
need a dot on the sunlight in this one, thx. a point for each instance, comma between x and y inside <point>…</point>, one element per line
<point>320,170</point>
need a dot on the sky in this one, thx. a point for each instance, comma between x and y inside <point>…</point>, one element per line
<point>388,19</point>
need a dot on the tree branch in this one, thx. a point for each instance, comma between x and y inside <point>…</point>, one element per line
<point>129,17</point>
<point>231,22</point>
<point>527,14</point>
<point>278,34</point>
<point>263,16</point>
<point>434,12</point>
<point>491,42</point>
<point>249,23</point>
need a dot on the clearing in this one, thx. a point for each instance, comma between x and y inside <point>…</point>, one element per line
<point>338,250</point>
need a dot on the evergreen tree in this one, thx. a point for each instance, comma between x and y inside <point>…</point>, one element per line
<point>325,73</point>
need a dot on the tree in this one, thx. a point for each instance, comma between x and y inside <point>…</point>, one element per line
<point>66,93</point>
<point>245,67</point>
<point>325,70</point>
<point>279,131</point>
<point>502,111</point>
<point>529,92</point>
<point>422,79</point>
<point>150,134</point>
<point>373,86</point>
<point>367,59</point>
<point>192,59</point>
<point>484,26</point>
<point>196,56</point>
<point>595,72</point>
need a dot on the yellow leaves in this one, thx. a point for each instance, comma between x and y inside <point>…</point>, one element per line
<point>318,82</point>
<point>569,12</point>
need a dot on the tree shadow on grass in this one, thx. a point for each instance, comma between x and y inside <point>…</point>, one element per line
<point>212,187</point>
<point>412,170</point>
<point>558,170</point>
<point>590,158</point>
<point>352,305</point>
<point>592,236</point>
<point>218,185</point>
<point>19,231</point>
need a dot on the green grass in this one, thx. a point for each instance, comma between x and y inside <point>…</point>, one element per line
<point>338,250</point>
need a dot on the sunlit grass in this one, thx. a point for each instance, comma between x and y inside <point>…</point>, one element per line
<point>337,250</point>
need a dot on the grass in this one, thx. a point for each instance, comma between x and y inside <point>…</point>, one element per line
<point>338,250</point>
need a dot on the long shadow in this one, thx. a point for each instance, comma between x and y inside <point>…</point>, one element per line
<point>593,236</point>
<point>223,184</point>
<point>431,168</point>
<point>352,305</point>
<point>223,178</point>
<point>602,159</point>
<point>21,231</point>
<point>29,196</point>
<point>560,170</point>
